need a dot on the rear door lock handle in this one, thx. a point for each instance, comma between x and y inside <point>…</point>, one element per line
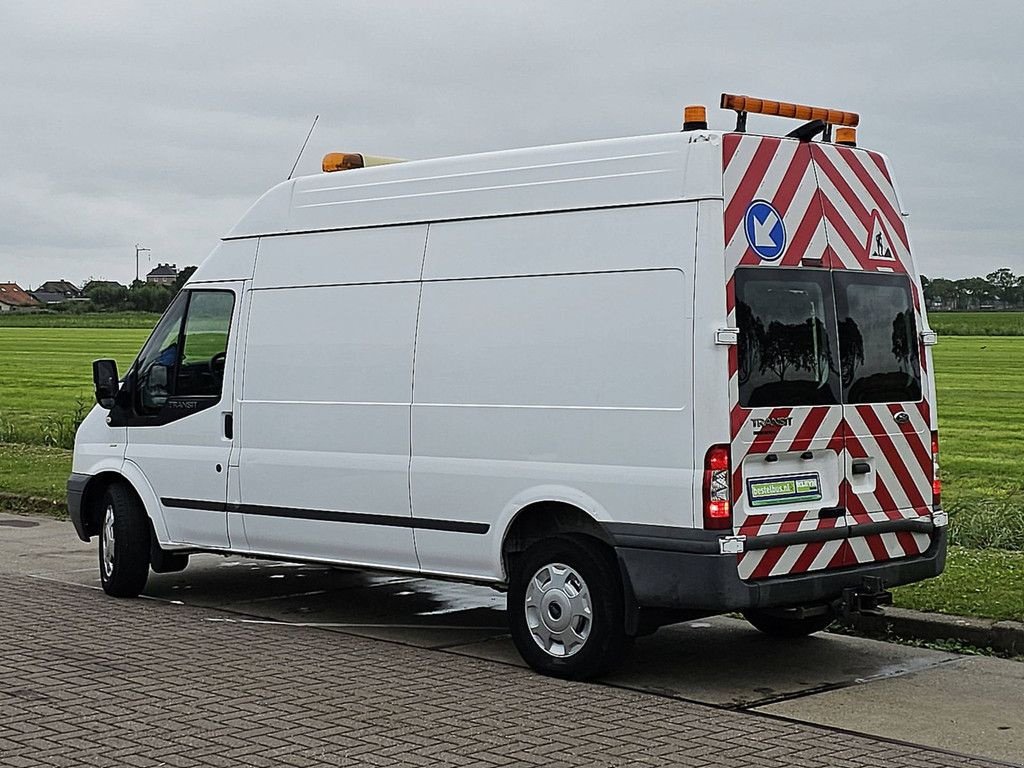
<point>860,467</point>
<point>832,512</point>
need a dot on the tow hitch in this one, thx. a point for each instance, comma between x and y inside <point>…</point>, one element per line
<point>868,598</point>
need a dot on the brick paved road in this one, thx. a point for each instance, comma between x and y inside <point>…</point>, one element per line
<point>86,680</point>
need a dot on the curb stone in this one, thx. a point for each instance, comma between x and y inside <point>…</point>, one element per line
<point>1001,636</point>
<point>18,504</point>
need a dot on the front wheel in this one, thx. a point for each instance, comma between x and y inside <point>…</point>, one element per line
<point>124,543</point>
<point>789,624</point>
<point>566,608</point>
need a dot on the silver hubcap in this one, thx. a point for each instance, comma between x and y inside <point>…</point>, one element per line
<point>108,542</point>
<point>558,610</point>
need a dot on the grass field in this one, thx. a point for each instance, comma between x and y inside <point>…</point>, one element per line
<point>46,378</point>
<point>976,582</point>
<point>142,320</point>
<point>981,433</point>
<point>977,323</point>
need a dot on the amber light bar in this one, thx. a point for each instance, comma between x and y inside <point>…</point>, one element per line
<point>345,161</point>
<point>743,104</point>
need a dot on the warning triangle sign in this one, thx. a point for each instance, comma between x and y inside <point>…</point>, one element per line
<point>879,246</point>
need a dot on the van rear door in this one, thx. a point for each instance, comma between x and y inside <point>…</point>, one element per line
<point>787,436</point>
<point>886,393</point>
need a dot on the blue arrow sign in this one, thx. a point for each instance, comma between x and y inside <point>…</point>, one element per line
<point>765,230</point>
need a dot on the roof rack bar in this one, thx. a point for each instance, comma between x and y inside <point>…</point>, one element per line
<point>747,104</point>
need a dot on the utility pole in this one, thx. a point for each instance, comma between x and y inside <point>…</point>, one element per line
<point>139,250</point>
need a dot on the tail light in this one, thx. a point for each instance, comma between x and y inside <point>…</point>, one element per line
<point>717,498</point>
<point>936,478</point>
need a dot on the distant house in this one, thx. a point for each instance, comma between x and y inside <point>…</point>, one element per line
<point>98,283</point>
<point>54,292</point>
<point>163,274</point>
<point>14,299</point>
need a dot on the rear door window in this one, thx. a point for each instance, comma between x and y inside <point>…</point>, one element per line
<point>877,338</point>
<point>787,347</point>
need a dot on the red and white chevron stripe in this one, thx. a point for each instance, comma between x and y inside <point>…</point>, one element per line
<point>834,201</point>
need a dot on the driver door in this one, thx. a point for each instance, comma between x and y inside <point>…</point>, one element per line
<point>181,429</point>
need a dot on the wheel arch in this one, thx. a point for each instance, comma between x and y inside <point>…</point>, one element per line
<point>544,519</point>
<point>92,498</point>
<point>130,476</point>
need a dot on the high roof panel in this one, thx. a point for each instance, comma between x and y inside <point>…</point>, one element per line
<point>612,172</point>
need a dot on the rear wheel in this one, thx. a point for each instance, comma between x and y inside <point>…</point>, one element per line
<point>789,623</point>
<point>566,608</point>
<point>124,543</point>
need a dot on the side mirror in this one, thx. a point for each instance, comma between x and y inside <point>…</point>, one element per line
<point>104,377</point>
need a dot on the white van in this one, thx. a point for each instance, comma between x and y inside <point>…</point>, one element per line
<point>630,381</point>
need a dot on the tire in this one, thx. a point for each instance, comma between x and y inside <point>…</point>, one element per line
<point>573,626</point>
<point>783,625</point>
<point>124,542</point>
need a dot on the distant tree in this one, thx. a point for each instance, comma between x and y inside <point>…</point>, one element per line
<point>1004,285</point>
<point>183,277</point>
<point>149,297</point>
<point>975,291</point>
<point>941,292</point>
<point>106,296</point>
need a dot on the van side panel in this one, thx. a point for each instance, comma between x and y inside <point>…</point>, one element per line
<point>324,413</point>
<point>385,254</point>
<point>646,237</point>
<point>569,387</point>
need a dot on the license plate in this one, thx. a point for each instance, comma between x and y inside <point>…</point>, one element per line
<point>787,489</point>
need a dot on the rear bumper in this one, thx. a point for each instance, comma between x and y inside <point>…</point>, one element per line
<point>662,575</point>
<point>76,490</point>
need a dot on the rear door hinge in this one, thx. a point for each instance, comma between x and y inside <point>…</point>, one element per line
<point>731,545</point>
<point>929,338</point>
<point>727,336</point>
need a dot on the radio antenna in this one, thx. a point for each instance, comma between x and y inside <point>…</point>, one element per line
<point>303,147</point>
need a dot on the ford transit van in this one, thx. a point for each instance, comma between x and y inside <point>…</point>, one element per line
<point>629,381</point>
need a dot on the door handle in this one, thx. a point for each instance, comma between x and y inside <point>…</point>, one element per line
<point>229,426</point>
<point>860,467</point>
<point>832,512</point>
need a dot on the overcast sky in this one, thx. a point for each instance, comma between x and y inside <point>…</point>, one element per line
<point>160,124</point>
